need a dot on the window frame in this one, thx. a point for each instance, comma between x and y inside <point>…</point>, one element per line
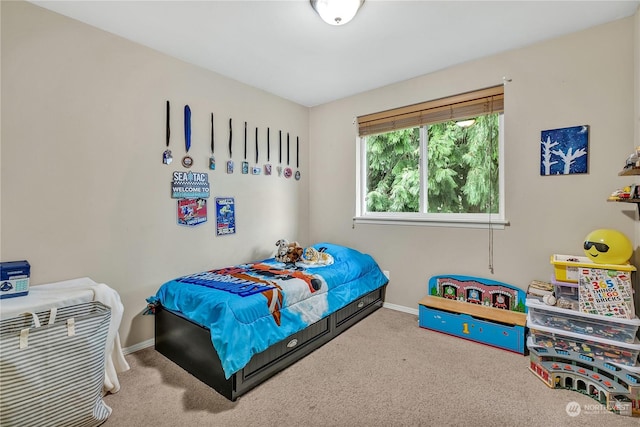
<point>464,220</point>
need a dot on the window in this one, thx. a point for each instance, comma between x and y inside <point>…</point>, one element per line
<point>437,162</point>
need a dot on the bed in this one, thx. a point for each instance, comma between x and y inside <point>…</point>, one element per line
<point>235,327</point>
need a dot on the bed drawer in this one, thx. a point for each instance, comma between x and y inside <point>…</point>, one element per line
<point>296,346</point>
<point>358,309</point>
<point>284,348</point>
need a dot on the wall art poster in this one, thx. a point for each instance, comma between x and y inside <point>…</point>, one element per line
<point>225,216</point>
<point>564,151</point>
<point>192,212</point>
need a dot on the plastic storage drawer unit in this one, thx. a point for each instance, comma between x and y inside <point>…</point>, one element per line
<point>606,327</point>
<point>590,346</point>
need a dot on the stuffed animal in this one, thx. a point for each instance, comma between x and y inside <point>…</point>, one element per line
<point>312,256</point>
<point>283,246</point>
<point>288,252</point>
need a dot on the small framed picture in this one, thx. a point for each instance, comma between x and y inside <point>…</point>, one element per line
<point>192,212</point>
<point>225,216</point>
<point>564,151</point>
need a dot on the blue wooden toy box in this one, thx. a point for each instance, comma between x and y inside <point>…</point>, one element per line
<point>477,309</point>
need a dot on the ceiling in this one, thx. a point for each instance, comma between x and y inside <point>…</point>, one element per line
<point>284,48</point>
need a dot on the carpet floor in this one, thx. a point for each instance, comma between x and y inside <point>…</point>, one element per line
<point>383,371</point>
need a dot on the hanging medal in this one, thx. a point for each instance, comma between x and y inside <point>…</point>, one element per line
<point>287,171</point>
<point>212,159</point>
<point>267,166</point>
<point>256,169</point>
<point>297,159</point>
<point>280,155</point>
<point>167,158</point>
<point>230,161</point>
<point>245,164</point>
<point>187,161</point>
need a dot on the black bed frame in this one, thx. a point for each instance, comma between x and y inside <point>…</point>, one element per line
<point>189,346</point>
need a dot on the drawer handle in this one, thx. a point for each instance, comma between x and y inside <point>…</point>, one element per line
<point>292,343</point>
<point>361,304</point>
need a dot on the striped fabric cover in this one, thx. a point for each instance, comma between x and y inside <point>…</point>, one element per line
<point>56,378</point>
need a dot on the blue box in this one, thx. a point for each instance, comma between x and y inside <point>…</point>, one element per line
<point>506,337</point>
<point>14,279</point>
<point>477,309</point>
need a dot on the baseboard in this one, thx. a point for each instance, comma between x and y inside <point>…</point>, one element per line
<point>151,342</point>
<point>400,308</point>
<point>139,346</point>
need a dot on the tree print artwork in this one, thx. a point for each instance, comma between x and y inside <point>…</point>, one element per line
<point>564,151</point>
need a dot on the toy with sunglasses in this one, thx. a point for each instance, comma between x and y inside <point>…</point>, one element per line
<point>606,246</point>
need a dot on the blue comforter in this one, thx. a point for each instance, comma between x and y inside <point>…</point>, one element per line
<point>250,307</point>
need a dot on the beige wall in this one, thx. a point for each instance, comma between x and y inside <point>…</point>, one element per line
<point>636,257</point>
<point>84,191</point>
<point>1,138</point>
<point>583,78</point>
<point>636,39</point>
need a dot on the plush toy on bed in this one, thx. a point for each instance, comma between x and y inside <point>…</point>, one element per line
<point>313,256</point>
<point>288,252</point>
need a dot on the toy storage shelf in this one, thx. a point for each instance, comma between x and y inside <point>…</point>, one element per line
<point>636,201</point>
<point>630,171</point>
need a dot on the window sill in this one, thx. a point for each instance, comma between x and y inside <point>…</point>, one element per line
<point>432,222</point>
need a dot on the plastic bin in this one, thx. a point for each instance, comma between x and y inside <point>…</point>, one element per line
<point>566,294</point>
<point>605,327</point>
<point>565,267</point>
<point>594,347</point>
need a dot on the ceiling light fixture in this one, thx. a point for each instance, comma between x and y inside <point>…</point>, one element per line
<point>336,12</point>
<point>465,123</point>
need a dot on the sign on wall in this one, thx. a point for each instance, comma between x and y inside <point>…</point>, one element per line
<point>190,185</point>
<point>192,212</point>
<point>225,216</point>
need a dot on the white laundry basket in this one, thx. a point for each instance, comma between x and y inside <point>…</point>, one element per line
<point>52,367</point>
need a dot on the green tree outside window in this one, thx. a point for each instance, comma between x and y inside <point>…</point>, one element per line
<point>461,169</point>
